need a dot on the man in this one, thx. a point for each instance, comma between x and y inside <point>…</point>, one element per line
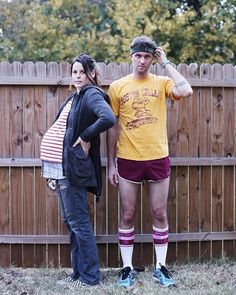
<point>138,149</point>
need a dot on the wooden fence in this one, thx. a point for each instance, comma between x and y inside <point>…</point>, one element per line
<point>202,141</point>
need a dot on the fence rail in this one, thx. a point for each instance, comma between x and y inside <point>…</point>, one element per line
<point>105,82</point>
<point>36,162</point>
<point>113,239</point>
<point>202,144</point>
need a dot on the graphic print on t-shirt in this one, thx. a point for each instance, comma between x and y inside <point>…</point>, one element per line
<point>141,99</point>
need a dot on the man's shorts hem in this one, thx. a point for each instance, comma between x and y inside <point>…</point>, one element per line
<point>143,171</point>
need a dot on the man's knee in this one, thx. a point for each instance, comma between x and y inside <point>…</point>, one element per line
<point>127,216</point>
<point>160,214</point>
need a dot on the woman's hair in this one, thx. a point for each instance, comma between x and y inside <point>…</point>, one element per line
<point>89,66</point>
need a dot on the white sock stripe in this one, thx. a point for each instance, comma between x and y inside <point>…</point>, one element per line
<point>160,229</point>
<point>160,245</point>
<point>126,231</point>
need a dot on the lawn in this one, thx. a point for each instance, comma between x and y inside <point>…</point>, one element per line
<point>198,279</point>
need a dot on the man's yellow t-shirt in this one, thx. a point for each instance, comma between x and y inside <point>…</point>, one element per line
<point>140,105</point>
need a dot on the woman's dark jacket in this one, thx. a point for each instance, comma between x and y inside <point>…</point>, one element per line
<point>90,115</point>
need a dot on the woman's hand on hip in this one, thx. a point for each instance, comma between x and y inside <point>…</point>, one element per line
<point>85,145</point>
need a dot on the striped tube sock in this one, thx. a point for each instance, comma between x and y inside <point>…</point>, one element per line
<point>126,242</point>
<point>160,240</point>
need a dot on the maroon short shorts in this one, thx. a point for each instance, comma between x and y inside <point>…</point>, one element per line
<point>139,171</point>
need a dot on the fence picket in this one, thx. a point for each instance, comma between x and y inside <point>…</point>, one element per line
<point>205,150</point>
<point>52,206</point>
<point>228,151</point>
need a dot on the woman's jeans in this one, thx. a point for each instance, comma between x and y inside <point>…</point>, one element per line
<point>84,253</point>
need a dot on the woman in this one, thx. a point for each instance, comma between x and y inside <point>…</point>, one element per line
<point>70,153</point>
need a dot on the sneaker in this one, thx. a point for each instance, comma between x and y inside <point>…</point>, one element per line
<point>77,284</point>
<point>65,281</point>
<point>126,277</point>
<point>163,277</point>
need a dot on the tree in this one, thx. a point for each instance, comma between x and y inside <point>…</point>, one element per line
<point>189,31</point>
<point>51,30</point>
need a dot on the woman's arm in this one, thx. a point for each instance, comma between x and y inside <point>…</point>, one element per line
<point>105,117</point>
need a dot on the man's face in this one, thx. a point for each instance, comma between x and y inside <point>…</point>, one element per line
<point>141,62</point>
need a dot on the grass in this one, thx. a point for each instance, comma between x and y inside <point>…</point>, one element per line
<point>199,279</point>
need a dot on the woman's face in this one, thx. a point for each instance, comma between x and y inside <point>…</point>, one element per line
<point>79,78</point>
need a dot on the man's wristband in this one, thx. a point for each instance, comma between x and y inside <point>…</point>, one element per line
<point>165,63</point>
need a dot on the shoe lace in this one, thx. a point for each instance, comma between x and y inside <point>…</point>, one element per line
<point>124,273</point>
<point>166,272</point>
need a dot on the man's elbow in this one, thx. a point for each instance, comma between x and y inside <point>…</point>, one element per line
<point>188,92</point>
<point>185,92</point>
